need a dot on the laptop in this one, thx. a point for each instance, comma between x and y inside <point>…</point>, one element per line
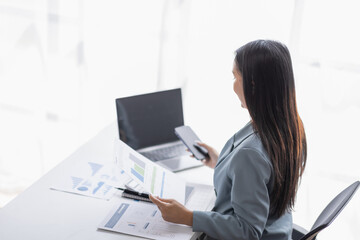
<point>146,123</point>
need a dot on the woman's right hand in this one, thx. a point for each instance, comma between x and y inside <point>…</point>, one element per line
<point>213,155</point>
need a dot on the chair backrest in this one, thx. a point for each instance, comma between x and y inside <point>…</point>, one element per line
<point>331,211</point>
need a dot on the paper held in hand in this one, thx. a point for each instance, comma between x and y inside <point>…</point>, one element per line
<point>153,178</point>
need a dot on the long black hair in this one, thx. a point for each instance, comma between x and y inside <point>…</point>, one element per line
<point>269,91</point>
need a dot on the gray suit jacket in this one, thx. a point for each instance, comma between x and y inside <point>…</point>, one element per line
<point>243,181</point>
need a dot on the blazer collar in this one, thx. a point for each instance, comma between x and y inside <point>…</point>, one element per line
<point>238,138</point>
<point>244,133</point>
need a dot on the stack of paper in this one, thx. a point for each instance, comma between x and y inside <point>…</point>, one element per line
<point>141,218</point>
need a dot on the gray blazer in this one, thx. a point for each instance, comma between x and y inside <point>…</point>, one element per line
<point>243,180</point>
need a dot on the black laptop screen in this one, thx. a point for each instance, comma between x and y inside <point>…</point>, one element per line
<point>149,119</point>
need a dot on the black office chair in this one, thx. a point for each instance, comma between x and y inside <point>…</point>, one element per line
<point>328,215</point>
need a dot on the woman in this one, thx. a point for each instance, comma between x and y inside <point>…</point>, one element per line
<point>257,173</point>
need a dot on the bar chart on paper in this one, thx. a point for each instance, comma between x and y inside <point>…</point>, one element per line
<point>138,169</point>
<point>155,176</point>
<point>152,177</point>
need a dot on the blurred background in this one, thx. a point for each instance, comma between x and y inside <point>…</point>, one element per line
<point>64,62</point>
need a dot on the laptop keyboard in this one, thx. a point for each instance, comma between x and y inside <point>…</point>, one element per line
<point>166,153</point>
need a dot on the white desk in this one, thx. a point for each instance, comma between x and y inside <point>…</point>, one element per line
<point>40,213</point>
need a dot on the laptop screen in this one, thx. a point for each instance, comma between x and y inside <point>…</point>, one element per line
<point>149,119</point>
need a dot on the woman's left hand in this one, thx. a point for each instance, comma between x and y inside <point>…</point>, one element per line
<point>173,211</point>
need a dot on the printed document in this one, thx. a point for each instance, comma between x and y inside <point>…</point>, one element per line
<point>89,179</point>
<point>152,177</point>
<point>144,220</point>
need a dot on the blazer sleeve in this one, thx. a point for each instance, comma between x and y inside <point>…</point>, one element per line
<point>249,173</point>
